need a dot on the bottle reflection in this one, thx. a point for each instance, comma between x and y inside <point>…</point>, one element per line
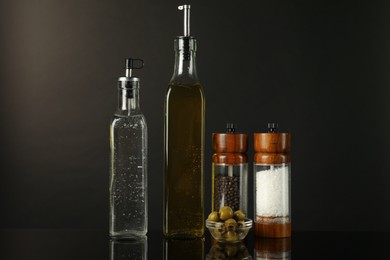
<point>129,249</point>
<point>184,249</point>
<point>236,251</point>
<point>273,248</point>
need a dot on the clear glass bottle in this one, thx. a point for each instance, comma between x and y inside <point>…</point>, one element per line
<point>128,177</point>
<point>272,172</point>
<point>184,143</point>
<point>230,170</point>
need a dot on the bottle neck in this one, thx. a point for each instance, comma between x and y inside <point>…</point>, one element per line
<point>185,61</point>
<point>128,101</point>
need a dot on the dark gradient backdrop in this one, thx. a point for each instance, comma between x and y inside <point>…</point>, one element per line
<point>318,68</point>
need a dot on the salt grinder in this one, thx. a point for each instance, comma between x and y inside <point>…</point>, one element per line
<point>272,173</point>
<point>230,170</point>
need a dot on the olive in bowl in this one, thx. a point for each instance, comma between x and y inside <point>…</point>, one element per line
<point>228,226</point>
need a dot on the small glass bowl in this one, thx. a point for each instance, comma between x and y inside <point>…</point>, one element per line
<point>228,233</point>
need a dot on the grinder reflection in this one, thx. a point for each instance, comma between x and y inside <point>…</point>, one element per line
<point>273,248</point>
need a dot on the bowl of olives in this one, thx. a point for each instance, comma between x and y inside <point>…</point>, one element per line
<point>227,225</point>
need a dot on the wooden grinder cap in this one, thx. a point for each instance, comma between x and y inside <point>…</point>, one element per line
<point>230,142</point>
<point>230,147</point>
<point>272,147</point>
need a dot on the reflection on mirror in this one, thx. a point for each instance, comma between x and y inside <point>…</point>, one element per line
<point>273,248</point>
<point>184,249</point>
<point>129,249</point>
<point>222,251</point>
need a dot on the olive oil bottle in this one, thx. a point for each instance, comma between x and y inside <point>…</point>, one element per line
<point>184,142</point>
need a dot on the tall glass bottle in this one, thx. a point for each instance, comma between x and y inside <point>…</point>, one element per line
<point>128,177</point>
<point>184,142</point>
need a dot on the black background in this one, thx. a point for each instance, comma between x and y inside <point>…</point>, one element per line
<point>318,68</point>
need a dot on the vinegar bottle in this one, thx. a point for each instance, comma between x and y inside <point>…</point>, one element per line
<point>184,142</point>
<point>128,176</point>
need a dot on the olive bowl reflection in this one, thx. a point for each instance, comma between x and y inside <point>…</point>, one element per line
<point>231,251</point>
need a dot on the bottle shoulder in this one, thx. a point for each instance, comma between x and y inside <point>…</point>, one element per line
<point>185,88</point>
<point>185,93</point>
<point>138,120</point>
<point>184,80</point>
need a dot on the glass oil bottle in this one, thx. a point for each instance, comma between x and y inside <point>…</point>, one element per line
<point>184,142</point>
<point>128,146</point>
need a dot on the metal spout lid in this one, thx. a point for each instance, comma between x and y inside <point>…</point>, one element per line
<point>185,43</point>
<point>186,9</point>
<point>130,81</point>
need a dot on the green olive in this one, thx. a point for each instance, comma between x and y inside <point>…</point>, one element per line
<point>219,224</point>
<point>231,236</point>
<point>225,213</point>
<point>239,215</point>
<point>213,216</point>
<point>218,232</point>
<point>220,228</point>
<point>240,224</point>
<point>230,224</point>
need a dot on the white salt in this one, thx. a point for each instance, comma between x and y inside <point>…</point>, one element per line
<point>272,192</point>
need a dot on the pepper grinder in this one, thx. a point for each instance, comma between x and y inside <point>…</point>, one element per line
<point>230,170</point>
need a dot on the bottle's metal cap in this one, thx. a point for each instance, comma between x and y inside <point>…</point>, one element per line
<point>130,81</point>
<point>184,43</point>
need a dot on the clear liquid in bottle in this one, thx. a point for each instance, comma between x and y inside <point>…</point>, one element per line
<point>128,177</point>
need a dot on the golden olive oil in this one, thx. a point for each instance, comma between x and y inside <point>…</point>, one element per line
<point>184,146</point>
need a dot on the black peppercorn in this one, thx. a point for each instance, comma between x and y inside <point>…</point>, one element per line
<point>227,192</point>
